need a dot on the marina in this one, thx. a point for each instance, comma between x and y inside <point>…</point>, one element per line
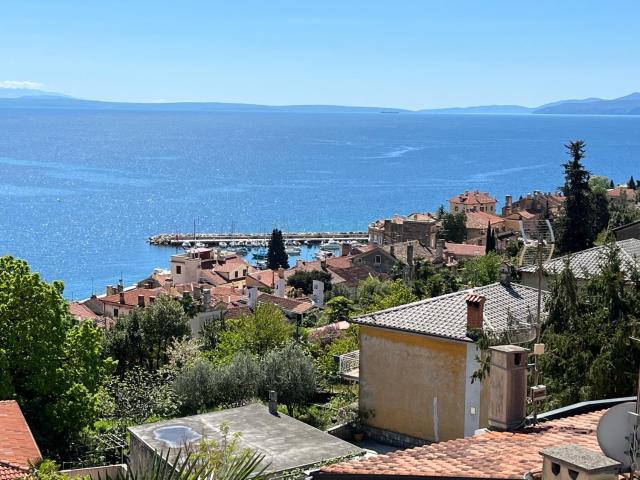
<point>224,240</point>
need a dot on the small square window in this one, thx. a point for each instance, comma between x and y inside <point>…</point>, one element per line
<point>377,259</point>
<point>178,269</point>
<point>115,313</point>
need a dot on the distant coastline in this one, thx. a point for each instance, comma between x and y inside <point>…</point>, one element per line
<point>36,99</point>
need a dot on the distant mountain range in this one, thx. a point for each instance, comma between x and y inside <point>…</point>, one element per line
<point>27,98</point>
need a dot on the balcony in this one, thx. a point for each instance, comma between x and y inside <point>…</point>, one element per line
<point>350,366</point>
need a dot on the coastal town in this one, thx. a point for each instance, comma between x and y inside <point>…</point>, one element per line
<point>410,350</point>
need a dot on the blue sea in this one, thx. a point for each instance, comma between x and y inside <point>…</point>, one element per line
<point>81,191</point>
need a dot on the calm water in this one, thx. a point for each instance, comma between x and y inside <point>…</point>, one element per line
<point>80,192</point>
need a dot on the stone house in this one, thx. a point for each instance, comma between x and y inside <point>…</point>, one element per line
<point>416,226</point>
<point>479,201</point>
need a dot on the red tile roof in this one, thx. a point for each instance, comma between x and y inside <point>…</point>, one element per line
<point>265,277</point>
<point>618,192</point>
<point>212,277</point>
<point>496,455</point>
<point>473,198</point>
<point>480,220</point>
<point>131,296</point>
<point>287,304</point>
<point>17,446</point>
<point>464,250</point>
<point>82,312</point>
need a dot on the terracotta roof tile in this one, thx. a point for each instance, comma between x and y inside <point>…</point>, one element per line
<point>497,455</point>
<point>287,304</point>
<point>131,296</point>
<point>17,446</point>
<point>473,198</point>
<point>464,250</point>
<point>480,220</point>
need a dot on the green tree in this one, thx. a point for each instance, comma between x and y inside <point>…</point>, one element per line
<point>482,270</point>
<point>276,255</point>
<point>338,309</point>
<point>587,334</point>
<point>612,185</point>
<point>257,333</point>
<point>454,227</point>
<point>631,183</point>
<point>620,213</point>
<point>600,210</point>
<point>143,336</point>
<point>575,224</point>
<point>599,183</point>
<point>290,372</point>
<point>491,240</point>
<point>49,363</point>
<point>303,280</point>
<point>397,294</point>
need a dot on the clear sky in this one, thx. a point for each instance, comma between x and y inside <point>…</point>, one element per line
<point>395,53</point>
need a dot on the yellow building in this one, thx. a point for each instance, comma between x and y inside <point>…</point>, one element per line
<point>417,360</point>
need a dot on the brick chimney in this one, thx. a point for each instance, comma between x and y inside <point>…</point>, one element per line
<point>568,462</point>
<point>508,205</point>
<point>141,300</point>
<point>122,298</point>
<point>345,249</point>
<point>507,387</point>
<point>475,311</point>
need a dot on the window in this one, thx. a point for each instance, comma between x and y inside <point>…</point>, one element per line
<point>178,269</point>
<point>456,209</point>
<point>236,272</point>
<point>115,313</point>
<point>555,468</point>
<point>377,259</point>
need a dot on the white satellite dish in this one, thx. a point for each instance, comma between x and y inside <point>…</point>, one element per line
<point>615,432</point>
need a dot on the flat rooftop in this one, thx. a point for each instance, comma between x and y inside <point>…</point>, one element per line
<point>286,442</point>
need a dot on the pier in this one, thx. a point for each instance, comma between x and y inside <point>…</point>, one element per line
<point>214,239</point>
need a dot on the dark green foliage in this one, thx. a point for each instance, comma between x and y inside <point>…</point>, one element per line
<point>454,227</point>
<point>276,255</point>
<point>632,183</point>
<point>600,211</point>
<point>575,226</point>
<point>290,372</point>
<point>620,213</point>
<point>587,334</point>
<point>491,240</point>
<point>482,270</point>
<point>140,395</point>
<point>49,363</point>
<point>141,338</point>
<point>612,185</point>
<point>304,280</point>
<point>338,309</point>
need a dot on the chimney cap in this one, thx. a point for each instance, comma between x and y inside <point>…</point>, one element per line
<point>580,458</point>
<point>473,297</point>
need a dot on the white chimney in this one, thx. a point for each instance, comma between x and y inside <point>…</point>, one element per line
<point>252,297</point>
<point>280,283</point>
<point>318,294</point>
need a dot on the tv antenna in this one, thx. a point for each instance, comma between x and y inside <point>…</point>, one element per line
<point>539,245</point>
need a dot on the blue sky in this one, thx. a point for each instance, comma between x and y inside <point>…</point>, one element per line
<point>412,54</point>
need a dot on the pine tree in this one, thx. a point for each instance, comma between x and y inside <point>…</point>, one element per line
<point>612,185</point>
<point>575,225</point>
<point>276,255</point>
<point>632,183</point>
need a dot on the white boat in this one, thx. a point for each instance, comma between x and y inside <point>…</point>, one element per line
<point>200,245</point>
<point>223,244</point>
<point>186,244</point>
<point>261,264</point>
<point>331,244</point>
<point>323,254</point>
<point>293,250</point>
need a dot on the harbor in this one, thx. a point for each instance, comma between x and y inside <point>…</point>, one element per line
<point>223,239</point>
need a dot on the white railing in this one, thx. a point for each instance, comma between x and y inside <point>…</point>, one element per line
<point>349,362</point>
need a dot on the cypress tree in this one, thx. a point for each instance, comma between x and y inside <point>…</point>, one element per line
<point>632,183</point>
<point>612,185</point>
<point>575,225</point>
<point>491,240</point>
<point>276,255</point>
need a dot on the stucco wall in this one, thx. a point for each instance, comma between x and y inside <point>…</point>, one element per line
<point>400,376</point>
